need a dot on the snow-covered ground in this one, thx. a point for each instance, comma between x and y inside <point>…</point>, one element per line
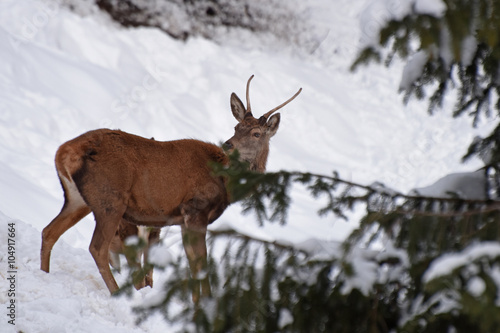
<point>61,75</point>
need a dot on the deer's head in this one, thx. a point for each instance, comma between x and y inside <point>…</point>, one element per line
<point>251,135</point>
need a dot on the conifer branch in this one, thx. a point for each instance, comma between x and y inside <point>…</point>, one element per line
<point>259,195</point>
<point>236,235</point>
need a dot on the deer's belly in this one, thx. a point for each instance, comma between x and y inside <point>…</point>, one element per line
<point>152,218</point>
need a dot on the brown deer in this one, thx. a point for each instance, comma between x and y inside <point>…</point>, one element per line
<point>117,175</point>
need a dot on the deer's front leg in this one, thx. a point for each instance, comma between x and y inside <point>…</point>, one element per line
<point>193,239</point>
<point>153,238</point>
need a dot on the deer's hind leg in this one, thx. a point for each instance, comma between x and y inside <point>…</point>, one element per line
<point>74,210</point>
<point>107,221</point>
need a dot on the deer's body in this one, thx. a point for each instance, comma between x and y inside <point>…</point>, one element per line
<point>150,195</point>
<point>124,178</point>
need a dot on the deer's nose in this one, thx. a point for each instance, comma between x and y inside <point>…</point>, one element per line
<point>227,145</point>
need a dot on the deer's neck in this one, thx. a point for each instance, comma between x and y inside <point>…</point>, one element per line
<point>259,164</point>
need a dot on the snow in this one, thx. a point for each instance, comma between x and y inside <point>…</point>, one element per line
<point>495,276</point>
<point>449,262</point>
<point>132,241</point>
<point>365,272</point>
<point>285,318</point>
<point>431,7</point>
<point>476,286</point>
<point>72,298</point>
<point>445,47</point>
<point>413,69</point>
<point>465,185</point>
<point>159,255</point>
<point>62,75</point>
<point>468,49</point>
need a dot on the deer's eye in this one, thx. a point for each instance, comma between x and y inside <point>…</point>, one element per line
<point>257,135</point>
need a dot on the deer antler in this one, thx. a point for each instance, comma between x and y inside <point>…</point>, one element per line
<point>266,115</point>
<point>249,108</point>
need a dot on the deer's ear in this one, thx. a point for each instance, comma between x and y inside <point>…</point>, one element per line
<point>237,108</point>
<point>273,123</point>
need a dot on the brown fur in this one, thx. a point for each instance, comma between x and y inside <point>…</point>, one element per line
<point>126,179</point>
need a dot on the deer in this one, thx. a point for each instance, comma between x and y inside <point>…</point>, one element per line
<point>150,236</point>
<point>120,176</point>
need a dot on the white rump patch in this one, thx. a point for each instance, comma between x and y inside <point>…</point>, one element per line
<point>73,195</point>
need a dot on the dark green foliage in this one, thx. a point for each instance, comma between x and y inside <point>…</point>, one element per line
<point>259,285</point>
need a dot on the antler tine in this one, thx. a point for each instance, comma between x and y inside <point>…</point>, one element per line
<point>249,108</point>
<point>282,105</point>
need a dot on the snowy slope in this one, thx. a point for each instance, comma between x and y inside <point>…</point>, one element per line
<point>70,299</point>
<point>61,75</point>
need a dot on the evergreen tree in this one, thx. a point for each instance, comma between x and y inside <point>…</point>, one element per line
<point>438,270</point>
<point>449,44</point>
<point>415,263</point>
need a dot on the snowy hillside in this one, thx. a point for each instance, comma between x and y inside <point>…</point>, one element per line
<point>61,75</point>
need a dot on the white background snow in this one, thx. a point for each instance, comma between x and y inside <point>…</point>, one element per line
<point>62,75</point>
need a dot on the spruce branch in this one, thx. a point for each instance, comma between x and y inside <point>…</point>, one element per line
<point>268,195</point>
